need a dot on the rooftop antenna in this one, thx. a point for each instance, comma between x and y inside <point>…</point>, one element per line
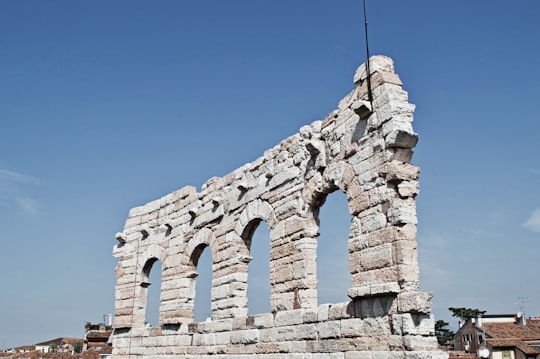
<point>521,302</point>
<point>370,95</point>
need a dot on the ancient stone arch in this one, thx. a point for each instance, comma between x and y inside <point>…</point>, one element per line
<point>362,148</point>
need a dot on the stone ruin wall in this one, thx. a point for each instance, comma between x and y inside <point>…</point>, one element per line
<point>361,151</point>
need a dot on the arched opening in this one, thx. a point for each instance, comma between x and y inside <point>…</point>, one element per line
<point>257,239</point>
<point>333,274</point>
<point>201,259</point>
<point>151,285</point>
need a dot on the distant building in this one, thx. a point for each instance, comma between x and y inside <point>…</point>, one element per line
<point>97,339</point>
<point>505,336</point>
<point>21,349</point>
<point>58,345</point>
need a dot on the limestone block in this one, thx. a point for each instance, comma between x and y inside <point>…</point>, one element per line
<point>281,251</point>
<point>215,326</point>
<point>388,107</point>
<point>408,276</point>
<point>398,123</point>
<point>402,212</point>
<point>295,349</point>
<point>399,154</point>
<point>237,277</point>
<point>263,320</point>
<point>245,336</point>
<point>223,338</point>
<point>268,350</point>
<point>392,95</point>
<point>421,354</point>
<point>358,200</point>
<point>322,346</point>
<point>401,139</point>
<point>362,108</point>
<point>373,220</point>
<point>362,343</point>
<point>374,277</point>
<point>352,327</point>
<point>310,315</point>
<point>289,317</point>
<point>284,333</point>
<point>328,356</point>
<point>381,236</point>
<point>329,329</point>
<point>398,171</point>
<point>204,339</point>
<point>340,311</point>
<point>376,257</point>
<point>335,149</point>
<point>413,324</point>
<point>405,252</point>
<point>317,127</point>
<point>122,321</point>
<point>377,63</point>
<point>286,207</point>
<point>297,224</point>
<point>289,174</point>
<point>355,233</point>
<point>299,157</point>
<point>307,331</point>
<point>267,335</point>
<point>414,302</point>
<point>378,195</point>
<point>283,274</point>
<point>314,147</point>
<point>136,211</point>
<point>385,78</point>
<point>299,355</point>
<point>378,327</point>
<point>124,294</point>
<point>322,312</point>
<point>408,189</point>
<point>420,342</point>
<point>375,307</point>
<point>221,292</point>
<point>406,232</point>
<point>360,355</point>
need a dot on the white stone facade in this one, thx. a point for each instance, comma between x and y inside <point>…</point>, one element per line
<point>361,151</point>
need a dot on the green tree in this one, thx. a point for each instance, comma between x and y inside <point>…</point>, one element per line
<point>77,347</point>
<point>443,334</point>
<point>53,347</point>
<point>466,313</point>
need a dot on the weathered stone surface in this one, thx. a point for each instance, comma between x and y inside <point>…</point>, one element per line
<point>362,148</point>
<point>414,302</point>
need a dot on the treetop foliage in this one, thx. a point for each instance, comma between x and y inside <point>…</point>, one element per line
<point>466,313</point>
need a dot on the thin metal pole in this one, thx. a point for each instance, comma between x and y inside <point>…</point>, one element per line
<point>370,94</point>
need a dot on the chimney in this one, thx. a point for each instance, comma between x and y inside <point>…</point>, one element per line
<point>520,318</point>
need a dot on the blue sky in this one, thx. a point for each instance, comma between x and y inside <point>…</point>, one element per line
<point>108,105</point>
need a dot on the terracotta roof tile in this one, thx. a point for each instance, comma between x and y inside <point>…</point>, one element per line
<point>509,343</point>
<point>534,323</point>
<point>511,331</point>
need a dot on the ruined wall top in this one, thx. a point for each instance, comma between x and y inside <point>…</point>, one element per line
<point>363,149</point>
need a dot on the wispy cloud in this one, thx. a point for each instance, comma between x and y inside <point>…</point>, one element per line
<point>533,221</point>
<point>15,177</point>
<point>28,205</point>
<point>12,191</point>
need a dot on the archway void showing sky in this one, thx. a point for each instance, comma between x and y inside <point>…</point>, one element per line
<point>105,106</point>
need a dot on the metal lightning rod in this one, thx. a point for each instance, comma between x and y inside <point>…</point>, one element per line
<point>370,95</point>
